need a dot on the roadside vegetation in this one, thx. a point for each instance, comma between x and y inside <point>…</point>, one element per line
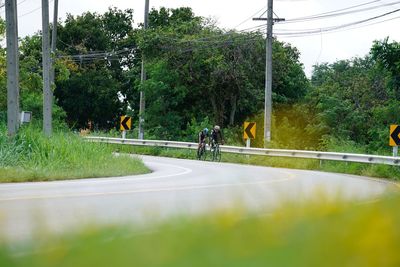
<point>320,233</point>
<point>199,75</point>
<point>32,157</point>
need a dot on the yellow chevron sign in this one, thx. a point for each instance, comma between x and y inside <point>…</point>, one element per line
<point>126,123</point>
<point>249,130</point>
<point>394,135</point>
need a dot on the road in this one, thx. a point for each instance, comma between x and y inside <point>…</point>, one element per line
<point>174,187</point>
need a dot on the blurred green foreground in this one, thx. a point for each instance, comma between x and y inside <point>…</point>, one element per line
<point>323,234</point>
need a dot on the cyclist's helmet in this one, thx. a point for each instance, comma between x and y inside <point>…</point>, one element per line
<point>205,130</point>
<point>217,128</point>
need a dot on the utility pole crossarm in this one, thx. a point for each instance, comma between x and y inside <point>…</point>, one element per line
<point>266,19</point>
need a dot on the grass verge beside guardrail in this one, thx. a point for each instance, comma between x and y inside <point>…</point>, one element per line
<point>30,156</point>
<point>321,233</point>
<point>370,170</point>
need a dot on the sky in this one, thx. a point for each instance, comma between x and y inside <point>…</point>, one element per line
<point>316,48</point>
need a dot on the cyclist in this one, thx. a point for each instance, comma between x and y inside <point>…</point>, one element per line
<point>216,136</point>
<point>203,134</point>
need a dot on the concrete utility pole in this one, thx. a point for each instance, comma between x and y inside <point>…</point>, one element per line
<point>143,78</point>
<point>12,67</point>
<point>47,92</point>
<point>268,73</point>
<point>54,43</point>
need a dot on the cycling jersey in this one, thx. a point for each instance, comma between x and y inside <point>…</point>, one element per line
<point>202,137</point>
<point>216,136</point>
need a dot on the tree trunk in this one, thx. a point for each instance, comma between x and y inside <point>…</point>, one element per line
<point>233,110</point>
<point>215,109</point>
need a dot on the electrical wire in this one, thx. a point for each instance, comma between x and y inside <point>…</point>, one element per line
<point>20,2</point>
<point>333,28</point>
<point>337,14</point>
<point>235,36</point>
<point>33,10</point>
<point>347,29</point>
<point>249,18</point>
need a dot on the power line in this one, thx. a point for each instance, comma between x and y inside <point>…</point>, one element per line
<point>342,9</point>
<point>341,13</point>
<point>347,29</point>
<point>334,28</point>
<point>249,18</point>
<point>23,1</point>
<point>230,37</point>
<point>33,10</point>
<point>190,47</point>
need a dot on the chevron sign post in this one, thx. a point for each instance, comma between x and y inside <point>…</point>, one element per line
<point>394,139</point>
<point>126,125</point>
<point>249,132</point>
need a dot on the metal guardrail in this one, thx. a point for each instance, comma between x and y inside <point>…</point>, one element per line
<point>344,157</point>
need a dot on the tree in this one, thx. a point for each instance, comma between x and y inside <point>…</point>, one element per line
<point>387,56</point>
<point>202,71</point>
<point>90,96</point>
<point>356,99</point>
<point>102,54</point>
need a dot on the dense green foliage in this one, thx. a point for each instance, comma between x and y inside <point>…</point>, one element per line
<point>199,75</point>
<point>99,49</point>
<point>30,156</point>
<point>194,69</point>
<point>197,70</point>
<point>324,233</point>
<point>356,100</point>
<point>350,105</point>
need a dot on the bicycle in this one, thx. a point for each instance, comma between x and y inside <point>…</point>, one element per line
<point>216,152</point>
<point>202,152</point>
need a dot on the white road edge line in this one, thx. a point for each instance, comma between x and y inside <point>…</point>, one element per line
<point>105,180</point>
<point>153,190</point>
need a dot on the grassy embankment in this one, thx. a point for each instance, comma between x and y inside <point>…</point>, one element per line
<point>325,233</point>
<point>371,170</point>
<point>32,157</point>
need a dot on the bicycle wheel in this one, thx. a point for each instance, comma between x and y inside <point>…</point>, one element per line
<point>217,154</point>
<point>203,153</point>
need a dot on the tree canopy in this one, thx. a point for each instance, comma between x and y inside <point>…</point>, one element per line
<point>199,75</point>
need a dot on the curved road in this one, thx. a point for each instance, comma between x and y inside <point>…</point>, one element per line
<point>174,187</point>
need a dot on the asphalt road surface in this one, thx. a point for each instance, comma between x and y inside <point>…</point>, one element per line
<point>174,187</point>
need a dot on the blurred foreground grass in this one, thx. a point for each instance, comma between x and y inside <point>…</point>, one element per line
<point>321,233</point>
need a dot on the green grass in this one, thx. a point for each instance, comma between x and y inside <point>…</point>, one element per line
<point>371,170</point>
<point>32,157</point>
<point>321,233</point>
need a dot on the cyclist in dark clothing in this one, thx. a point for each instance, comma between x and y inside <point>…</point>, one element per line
<point>202,137</point>
<point>216,136</point>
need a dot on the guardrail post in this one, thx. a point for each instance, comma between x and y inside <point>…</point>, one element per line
<point>248,145</point>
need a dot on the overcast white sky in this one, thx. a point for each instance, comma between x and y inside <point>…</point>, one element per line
<point>229,13</point>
